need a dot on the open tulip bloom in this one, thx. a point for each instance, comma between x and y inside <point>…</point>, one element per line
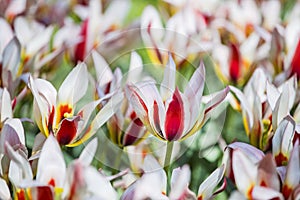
<point>168,113</point>
<point>55,111</point>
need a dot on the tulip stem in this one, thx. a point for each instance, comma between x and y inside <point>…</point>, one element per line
<point>167,164</point>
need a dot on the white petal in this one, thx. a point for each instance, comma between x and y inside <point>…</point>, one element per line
<point>86,111</point>
<point>264,193</point>
<point>19,167</point>
<point>292,177</point>
<point>179,181</point>
<point>281,107</point>
<point>167,86</point>
<point>151,26</point>
<point>51,164</point>
<point>12,132</point>
<point>244,170</point>
<point>135,68</point>
<point>6,107</point>
<point>272,95</point>
<point>245,105</point>
<point>267,173</point>
<point>39,41</point>
<point>193,92</point>
<point>291,85</point>
<point>206,188</point>
<point>98,185</point>
<point>46,91</point>
<point>15,7</point>
<point>88,153</point>
<point>254,154</point>
<point>283,137</point>
<point>4,191</point>
<point>74,86</point>
<point>107,111</point>
<point>103,71</point>
<point>11,56</point>
<point>150,186</point>
<point>6,35</point>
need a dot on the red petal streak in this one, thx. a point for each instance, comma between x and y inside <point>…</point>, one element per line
<point>159,56</point>
<point>51,182</point>
<point>286,191</point>
<point>156,118</point>
<point>80,48</point>
<point>67,131</point>
<point>296,61</point>
<point>281,159</point>
<point>44,193</point>
<point>174,118</point>
<point>78,180</point>
<point>234,63</point>
<point>21,195</point>
<point>141,101</point>
<point>50,120</point>
<point>134,133</point>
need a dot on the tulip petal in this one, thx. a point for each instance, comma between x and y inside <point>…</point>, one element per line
<point>103,71</point>
<point>282,140</point>
<point>39,41</point>
<point>41,107</point>
<point>87,155</point>
<point>167,86</point>
<point>150,186</point>
<point>81,48</point>
<point>4,191</point>
<point>5,106</point>
<point>135,68</point>
<point>267,173</point>
<point>67,130</point>
<point>292,176</point>
<point>74,86</point>
<point>207,187</point>
<point>254,154</point>
<point>42,192</point>
<point>138,101</point>
<point>194,91</point>
<point>94,180</point>
<point>272,95</point>
<point>46,91</point>
<point>134,132</point>
<point>51,169</point>
<point>174,122</point>
<point>102,116</point>
<point>19,167</point>
<point>12,133</point>
<point>11,57</point>
<point>265,193</point>
<point>6,34</point>
<point>235,62</point>
<point>295,63</point>
<point>152,31</point>
<point>215,100</point>
<point>245,172</point>
<point>180,181</point>
<point>245,105</point>
<point>281,107</point>
<point>291,86</point>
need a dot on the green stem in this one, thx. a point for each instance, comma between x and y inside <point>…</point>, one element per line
<point>167,164</point>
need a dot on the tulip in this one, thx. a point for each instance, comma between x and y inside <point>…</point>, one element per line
<point>169,114</point>
<point>124,127</point>
<point>55,111</point>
